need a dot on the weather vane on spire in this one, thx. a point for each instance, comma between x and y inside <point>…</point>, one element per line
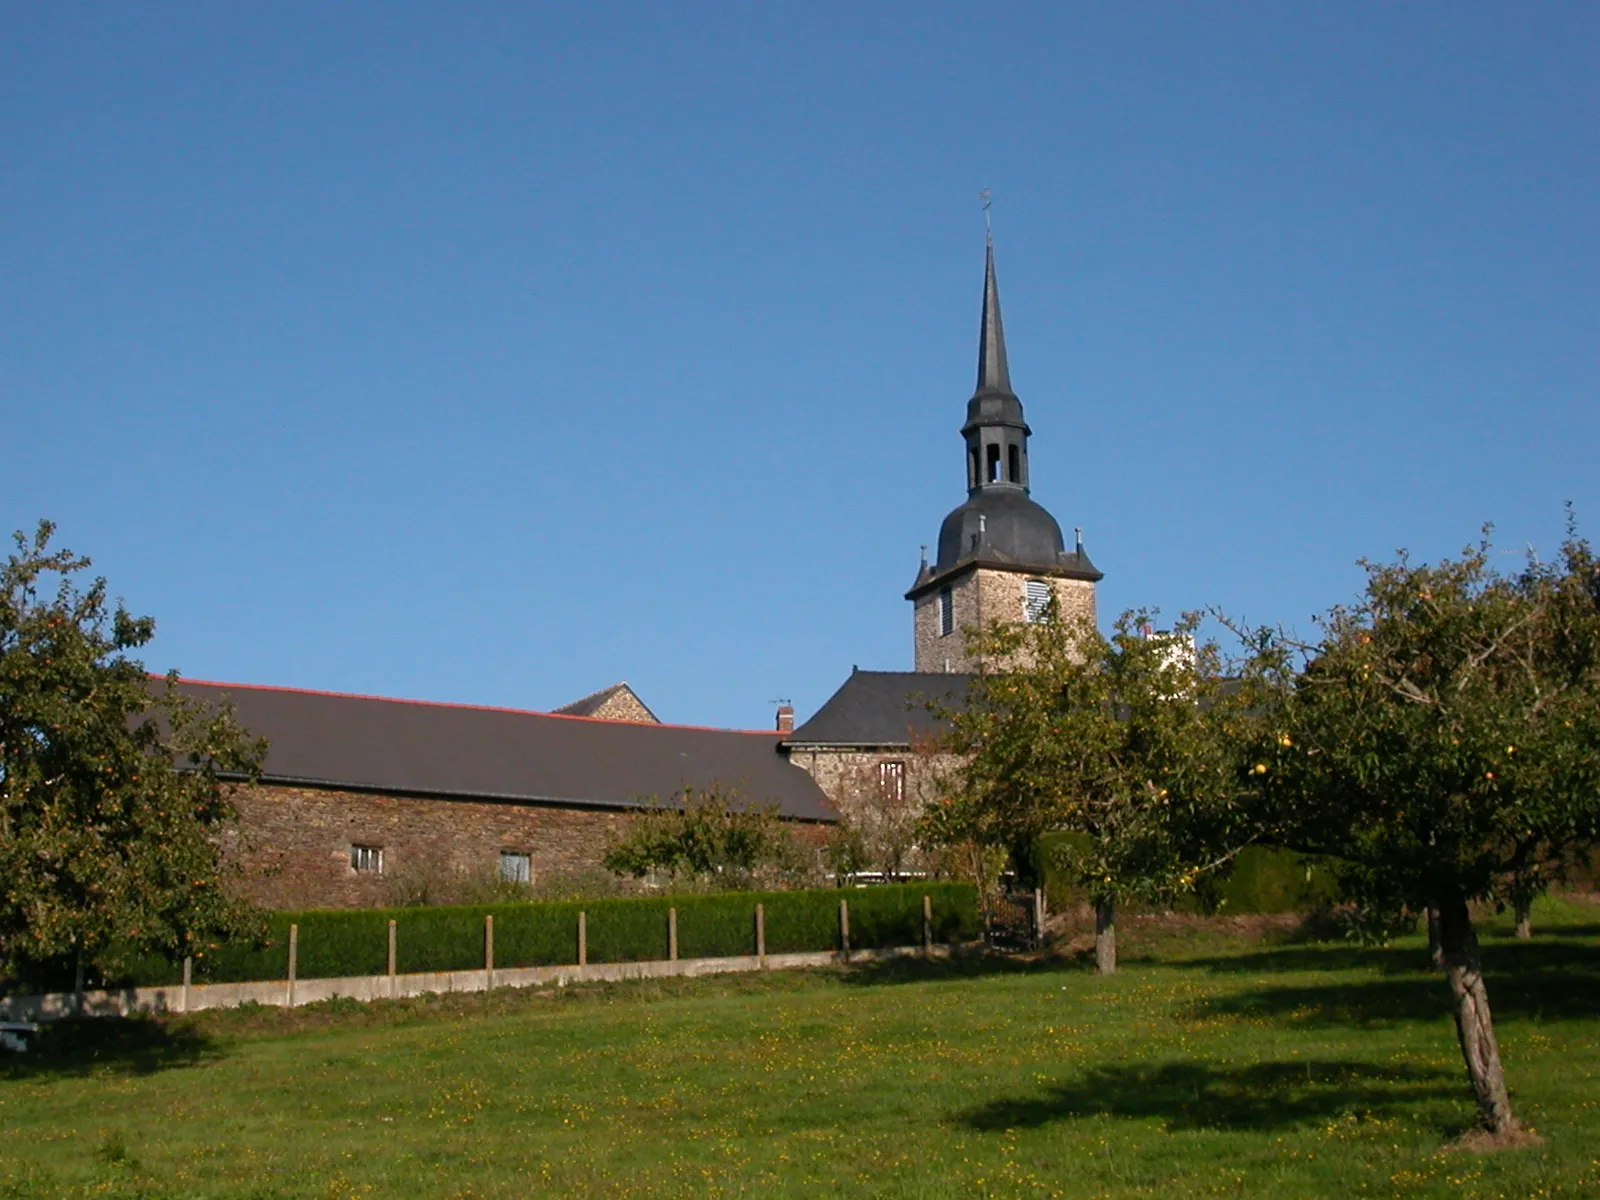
<point>988,201</point>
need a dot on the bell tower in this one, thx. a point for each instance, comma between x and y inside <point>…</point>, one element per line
<point>1000,556</point>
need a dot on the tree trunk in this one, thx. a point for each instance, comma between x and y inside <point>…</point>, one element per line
<point>1435,950</point>
<point>1105,936</point>
<point>1474,1025</point>
<point>1524,919</point>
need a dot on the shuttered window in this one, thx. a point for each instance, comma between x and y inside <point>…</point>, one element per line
<point>947,613</point>
<point>367,859</point>
<point>892,781</point>
<point>1035,599</point>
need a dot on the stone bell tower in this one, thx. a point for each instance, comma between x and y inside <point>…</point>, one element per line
<point>1000,555</point>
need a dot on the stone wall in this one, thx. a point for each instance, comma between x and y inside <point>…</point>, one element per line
<point>980,597</point>
<point>854,783</point>
<point>623,705</point>
<point>294,843</point>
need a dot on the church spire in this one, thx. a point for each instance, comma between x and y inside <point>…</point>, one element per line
<point>996,433</point>
<point>993,373</point>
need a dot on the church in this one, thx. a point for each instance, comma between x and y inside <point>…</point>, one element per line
<point>360,792</point>
<point>1000,557</point>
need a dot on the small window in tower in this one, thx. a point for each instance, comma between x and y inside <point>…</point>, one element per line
<point>1035,599</point>
<point>516,867</point>
<point>947,613</point>
<point>892,781</point>
<point>1014,461</point>
<point>972,469</point>
<point>994,463</point>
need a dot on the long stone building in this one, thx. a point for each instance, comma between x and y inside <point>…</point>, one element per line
<point>361,792</point>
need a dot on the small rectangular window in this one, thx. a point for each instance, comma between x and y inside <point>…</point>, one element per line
<point>1035,600</point>
<point>516,867</point>
<point>367,859</point>
<point>947,613</point>
<point>892,781</point>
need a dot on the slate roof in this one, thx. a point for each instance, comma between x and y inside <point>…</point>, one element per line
<point>882,708</point>
<point>366,743</point>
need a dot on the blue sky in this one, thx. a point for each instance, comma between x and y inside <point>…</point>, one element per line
<point>493,353</point>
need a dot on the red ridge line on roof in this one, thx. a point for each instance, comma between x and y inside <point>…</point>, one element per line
<point>520,712</point>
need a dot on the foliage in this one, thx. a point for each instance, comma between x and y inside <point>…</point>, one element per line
<point>706,837</point>
<point>1125,740</point>
<point>1257,880</point>
<point>1441,738</point>
<point>113,790</point>
<point>337,943</point>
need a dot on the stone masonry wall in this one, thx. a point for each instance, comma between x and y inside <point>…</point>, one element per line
<point>294,843</point>
<point>623,705</point>
<point>981,597</point>
<point>851,779</point>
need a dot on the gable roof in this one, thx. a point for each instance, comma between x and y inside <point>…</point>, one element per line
<point>594,703</point>
<point>367,743</point>
<point>882,708</point>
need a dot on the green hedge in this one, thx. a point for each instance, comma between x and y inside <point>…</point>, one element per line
<point>333,943</point>
<point>1268,880</point>
<point>1260,879</point>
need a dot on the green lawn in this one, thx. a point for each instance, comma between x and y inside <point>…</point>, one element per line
<point>1210,1066</point>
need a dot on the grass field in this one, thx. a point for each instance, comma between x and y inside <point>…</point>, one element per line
<point>1212,1065</point>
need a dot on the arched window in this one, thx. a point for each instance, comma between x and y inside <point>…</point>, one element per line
<point>1015,463</point>
<point>947,613</point>
<point>993,475</point>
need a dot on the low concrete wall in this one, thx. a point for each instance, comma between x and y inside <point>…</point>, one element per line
<point>283,993</point>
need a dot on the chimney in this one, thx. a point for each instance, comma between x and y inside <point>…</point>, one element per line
<point>785,718</point>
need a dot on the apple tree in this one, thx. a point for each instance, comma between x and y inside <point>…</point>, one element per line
<point>113,787</point>
<point>1441,739</point>
<point>1127,742</point>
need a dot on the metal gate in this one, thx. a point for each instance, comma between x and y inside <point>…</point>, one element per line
<point>1013,921</point>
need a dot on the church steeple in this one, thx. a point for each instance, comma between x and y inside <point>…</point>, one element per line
<point>993,373</point>
<point>996,434</point>
<point>1001,556</point>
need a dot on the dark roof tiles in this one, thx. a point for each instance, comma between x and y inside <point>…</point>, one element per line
<point>410,747</point>
<point>882,708</point>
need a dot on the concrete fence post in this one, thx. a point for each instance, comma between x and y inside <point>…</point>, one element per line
<point>583,939</point>
<point>927,927</point>
<point>1038,916</point>
<point>393,962</point>
<point>188,979</point>
<point>844,929</point>
<point>761,936</point>
<point>672,935</point>
<point>488,953</point>
<point>294,954</point>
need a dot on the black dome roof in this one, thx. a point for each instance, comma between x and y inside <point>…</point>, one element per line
<point>1001,525</point>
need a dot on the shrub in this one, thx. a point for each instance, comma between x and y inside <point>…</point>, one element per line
<point>1260,879</point>
<point>336,943</point>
